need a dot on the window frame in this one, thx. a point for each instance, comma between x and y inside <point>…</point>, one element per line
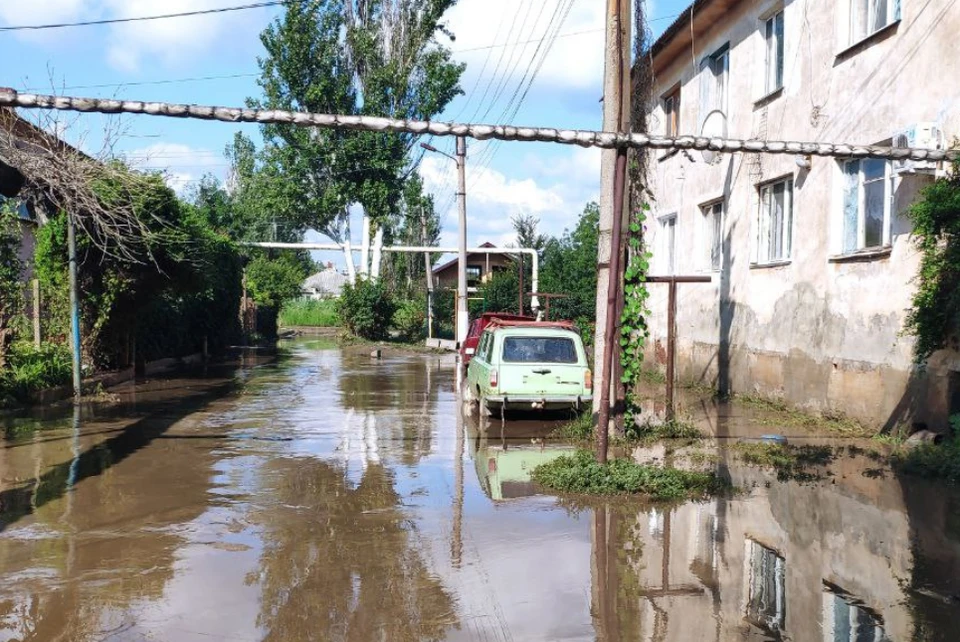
<point>779,52</point>
<point>712,235</point>
<point>671,116</point>
<point>888,180</point>
<point>857,32</point>
<point>669,244</point>
<point>718,103</point>
<point>762,240</point>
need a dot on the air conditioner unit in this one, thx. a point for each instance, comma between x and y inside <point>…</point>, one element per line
<point>919,136</point>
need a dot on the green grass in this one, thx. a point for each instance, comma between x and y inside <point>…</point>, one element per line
<point>580,474</point>
<point>787,415</point>
<point>31,369</point>
<point>580,428</point>
<point>933,461</point>
<point>789,462</point>
<point>670,429</point>
<point>310,313</point>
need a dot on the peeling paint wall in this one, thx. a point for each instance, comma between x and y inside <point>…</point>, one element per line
<point>822,329</point>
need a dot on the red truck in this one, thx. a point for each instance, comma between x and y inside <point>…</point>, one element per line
<point>476,329</point>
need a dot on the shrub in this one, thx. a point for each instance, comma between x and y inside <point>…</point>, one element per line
<point>31,369</point>
<point>581,474</point>
<point>409,319</point>
<point>310,313</point>
<point>366,309</point>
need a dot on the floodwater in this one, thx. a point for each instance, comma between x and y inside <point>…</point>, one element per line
<point>330,496</point>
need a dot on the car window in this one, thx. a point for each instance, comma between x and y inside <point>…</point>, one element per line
<point>488,349</point>
<point>481,346</point>
<point>539,350</point>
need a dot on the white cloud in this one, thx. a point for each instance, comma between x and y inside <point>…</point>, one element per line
<point>181,164</point>
<point>41,11</point>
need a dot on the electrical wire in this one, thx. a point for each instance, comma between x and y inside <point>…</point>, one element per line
<point>110,21</point>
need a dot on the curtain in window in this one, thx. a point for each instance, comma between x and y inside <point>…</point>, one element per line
<point>851,205</point>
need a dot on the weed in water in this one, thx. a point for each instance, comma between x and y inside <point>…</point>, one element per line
<point>580,428</point>
<point>671,429</point>
<point>789,462</point>
<point>786,415</point>
<point>579,473</point>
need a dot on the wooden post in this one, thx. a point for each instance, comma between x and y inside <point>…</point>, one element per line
<point>36,312</point>
<point>671,346</point>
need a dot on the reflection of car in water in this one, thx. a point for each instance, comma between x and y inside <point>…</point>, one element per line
<point>504,468</point>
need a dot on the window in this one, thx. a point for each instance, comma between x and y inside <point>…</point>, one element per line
<point>775,222</point>
<point>671,113</point>
<point>867,198</point>
<point>713,235</point>
<point>870,16</point>
<point>773,34</point>
<point>539,350</point>
<point>668,226</point>
<point>473,274</point>
<point>765,587</point>
<point>714,80</point>
<point>844,620</point>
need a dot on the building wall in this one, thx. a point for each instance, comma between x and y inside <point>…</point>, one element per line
<point>818,331</point>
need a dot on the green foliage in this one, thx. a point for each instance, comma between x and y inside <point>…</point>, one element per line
<point>310,313</point>
<point>671,429</point>
<point>501,292</point>
<point>271,281</point>
<point>31,369</point>
<point>934,461</point>
<point>935,315</point>
<point>579,473</point>
<point>570,268</point>
<point>410,318</point>
<point>11,298</point>
<point>633,323</point>
<point>366,309</point>
<point>580,428</point>
<point>798,463</point>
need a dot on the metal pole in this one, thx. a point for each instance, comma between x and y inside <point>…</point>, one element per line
<point>36,313</point>
<point>428,273</point>
<point>520,308</point>
<point>462,319</point>
<point>74,305</point>
<point>613,290</point>
<point>671,345</point>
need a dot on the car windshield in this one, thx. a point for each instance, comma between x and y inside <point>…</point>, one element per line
<point>539,350</point>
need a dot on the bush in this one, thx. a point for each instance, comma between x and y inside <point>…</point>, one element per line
<point>310,313</point>
<point>935,461</point>
<point>409,319</point>
<point>580,473</point>
<point>31,369</point>
<point>366,309</point>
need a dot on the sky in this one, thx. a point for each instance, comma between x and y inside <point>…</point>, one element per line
<point>212,59</point>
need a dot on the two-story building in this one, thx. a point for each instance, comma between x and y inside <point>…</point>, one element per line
<point>812,258</point>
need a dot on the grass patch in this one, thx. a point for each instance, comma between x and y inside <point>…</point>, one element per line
<point>310,313</point>
<point>787,415</point>
<point>671,429</point>
<point>579,473</point>
<point>580,428</point>
<point>789,462</point>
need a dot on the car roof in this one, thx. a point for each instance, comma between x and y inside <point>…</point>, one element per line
<point>539,330</point>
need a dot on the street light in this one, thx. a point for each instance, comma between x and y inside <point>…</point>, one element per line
<point>460,160</point>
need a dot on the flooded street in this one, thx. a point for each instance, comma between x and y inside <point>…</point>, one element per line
<point>330,496</point>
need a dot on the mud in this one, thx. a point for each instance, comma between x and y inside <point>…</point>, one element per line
<point>328,495</point>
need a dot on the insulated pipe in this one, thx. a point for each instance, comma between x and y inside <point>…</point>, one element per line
<point>535,259</point>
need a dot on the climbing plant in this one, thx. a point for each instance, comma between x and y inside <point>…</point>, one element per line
<point>10,269</point>
<point>934,317</point>
<point>633,323</point>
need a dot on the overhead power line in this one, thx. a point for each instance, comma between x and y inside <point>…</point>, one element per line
<point>110,21</point>
<point>582,138</point>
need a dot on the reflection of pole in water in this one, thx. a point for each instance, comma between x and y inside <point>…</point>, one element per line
<point>604,582</point>
<point>456,544</point>
<point>71,482</point>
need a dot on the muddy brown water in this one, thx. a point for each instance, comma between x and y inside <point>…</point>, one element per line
<point>329,496</point>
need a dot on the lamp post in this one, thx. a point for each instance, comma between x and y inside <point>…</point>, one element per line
<point>460,160</point>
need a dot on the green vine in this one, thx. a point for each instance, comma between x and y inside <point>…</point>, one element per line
<point>934,318</point>
<point>633,323</point>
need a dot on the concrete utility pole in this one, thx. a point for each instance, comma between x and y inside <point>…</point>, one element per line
<point>616,118</point>
<point>463,321</point>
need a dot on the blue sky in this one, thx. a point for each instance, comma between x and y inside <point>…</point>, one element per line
<point>549,181</point>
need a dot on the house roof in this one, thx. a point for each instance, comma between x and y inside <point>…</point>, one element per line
<point>696,20</point>
<point>330,281</point>
<point>453,261</point>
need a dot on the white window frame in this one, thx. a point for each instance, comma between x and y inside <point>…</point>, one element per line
<point>889,190</point>
<point>668,245</point>
<point>868,12</point>
<point>715,83</point>
<point>765,194</point>
<point>775,52</point>
<point>711,237</point>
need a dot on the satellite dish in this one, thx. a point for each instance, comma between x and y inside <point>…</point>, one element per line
<point>714,126</point>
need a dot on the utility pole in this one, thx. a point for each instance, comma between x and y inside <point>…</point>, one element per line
<point>74,304</point>
<point>462,319</point>
<point>616,117</point>
<point>428,273</point>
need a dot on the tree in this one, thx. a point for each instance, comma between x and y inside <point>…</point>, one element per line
<point>416,224</point>
<point>10,273</point>
<point>368,57</point>
<point>525,225</point>
<point>569,267</point>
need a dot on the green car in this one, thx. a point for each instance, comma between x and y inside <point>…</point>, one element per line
<point>528,365</point>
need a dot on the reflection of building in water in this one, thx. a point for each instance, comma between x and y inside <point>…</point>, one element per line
<point>822,562</point>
